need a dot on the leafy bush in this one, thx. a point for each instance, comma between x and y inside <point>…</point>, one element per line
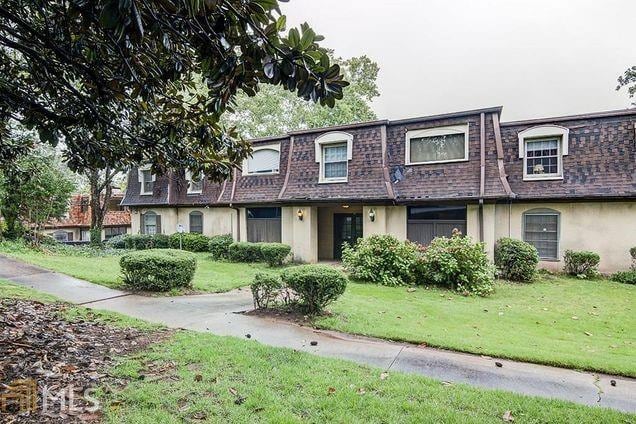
<point>160,241</point>
<point>315,285</point>
<point>516,259</point>
<point>158,270</point>
<point>632,252</point>
<point>244,251</point>
<point>625,277</point>
<point>139,241</point>
<point>381,259</point>
<point>117,242</point>
<point>458,263</point>
<point>582,263</point>
<point>95,236</point>
<point>275,253</point>
<point>220,245</point>
<point>265,289</point>
<point>192,242</point>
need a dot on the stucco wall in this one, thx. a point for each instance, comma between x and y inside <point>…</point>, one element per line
<point>215,220</point>
<point>608,228</point>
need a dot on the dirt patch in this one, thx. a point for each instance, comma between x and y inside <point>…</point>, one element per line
<point>59,360</point>
<point>286,315</point>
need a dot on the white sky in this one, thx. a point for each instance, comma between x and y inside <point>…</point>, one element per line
<point>536,58</point>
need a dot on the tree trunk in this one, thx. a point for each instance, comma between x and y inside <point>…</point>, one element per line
<point>101,190</point>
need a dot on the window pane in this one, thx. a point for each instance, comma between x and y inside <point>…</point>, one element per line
<point>150,223</point>
<point>336,170</point>
<point>438,148</point>
<point>263,161</point>
<point>542,157</point>
<point>196,222</point>
<point>542,231</point>
<point>336,153</point>
<point>147,183</point>
<point>263,213</point>
<point>437,212</point>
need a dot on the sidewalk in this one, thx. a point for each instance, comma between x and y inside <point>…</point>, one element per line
<point>217,313</point>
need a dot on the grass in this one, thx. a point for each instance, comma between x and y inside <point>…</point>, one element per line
<point>243,381</point>
<point>556,321</point>
<point>211,276</point>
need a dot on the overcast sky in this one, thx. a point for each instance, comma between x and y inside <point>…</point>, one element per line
<point>534,57</point>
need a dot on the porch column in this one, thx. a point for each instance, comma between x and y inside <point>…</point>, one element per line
<point>305,234</point>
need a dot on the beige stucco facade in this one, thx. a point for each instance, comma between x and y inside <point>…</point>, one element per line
<point>608,228</point>
<point>77,232</point>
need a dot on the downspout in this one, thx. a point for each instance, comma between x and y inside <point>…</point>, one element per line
<point>482,173</point>
<point>503,177</point>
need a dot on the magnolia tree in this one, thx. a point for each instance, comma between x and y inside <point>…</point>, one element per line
<point>628,79</point>
<point>122,82</point>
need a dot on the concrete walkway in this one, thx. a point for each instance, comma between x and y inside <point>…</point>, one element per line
<point>217,313</point>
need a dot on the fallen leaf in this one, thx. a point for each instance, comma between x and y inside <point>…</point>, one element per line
<point>575,318</point>
<point>361,391</point>
<point>587,333</point>
<point>410,289</point>
<point>446,383</point>
<point>233,391</point>
<point>331,390</point>
<point>507,416</point>
<point>384,375</point>
<point>198,377</point>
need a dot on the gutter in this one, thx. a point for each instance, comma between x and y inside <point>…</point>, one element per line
<point>385,168</point>
<point>482,172</point>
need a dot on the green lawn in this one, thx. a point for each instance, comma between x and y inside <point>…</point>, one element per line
<point>558,321</point>
<point>211,276</point>
<point>198,376</point>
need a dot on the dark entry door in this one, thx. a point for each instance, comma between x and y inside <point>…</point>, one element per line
<point>347,227</point>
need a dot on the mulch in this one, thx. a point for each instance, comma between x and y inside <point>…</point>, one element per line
<point>65,358</point>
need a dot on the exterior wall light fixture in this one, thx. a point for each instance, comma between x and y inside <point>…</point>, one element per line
<point>372,215</point>
<point>300,214</point>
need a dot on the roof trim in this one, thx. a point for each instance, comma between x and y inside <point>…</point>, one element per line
<point>495,109</point>
<point>593,115</point>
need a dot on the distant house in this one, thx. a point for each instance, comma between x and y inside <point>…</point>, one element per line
<point>75,226</point>
<point>558,183</point>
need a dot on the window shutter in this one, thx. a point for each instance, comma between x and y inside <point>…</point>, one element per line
<point>142,229</point>
<point>159,224</point>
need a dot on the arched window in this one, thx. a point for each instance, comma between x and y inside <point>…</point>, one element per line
<point>333,152</point>
<point>264,160</point>
<point>196,222</point>
<point>542,149</point>
<point>541,228</point>
<point>151,223</point>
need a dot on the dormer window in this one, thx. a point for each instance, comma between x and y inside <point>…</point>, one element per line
<point>437,145</point>
<point>264,160</point>
<point>195,182</point>
<point>333,153</point>
<point>542,149</point>
<point>146,181</point>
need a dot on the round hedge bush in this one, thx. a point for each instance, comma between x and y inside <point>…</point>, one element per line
<point>275,253</point>
<point>516,259</point>
<point>158,269</point>
<point>220,245</point>
<point>315,285</point>
<point>192,242</point>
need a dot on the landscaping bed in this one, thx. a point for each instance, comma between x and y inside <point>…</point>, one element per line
<point>62,347</point>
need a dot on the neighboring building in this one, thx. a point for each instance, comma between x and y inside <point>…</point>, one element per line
<point>558,183</point>
<point>75,226</point>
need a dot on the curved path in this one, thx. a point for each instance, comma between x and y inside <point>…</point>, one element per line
<point>217,313</point>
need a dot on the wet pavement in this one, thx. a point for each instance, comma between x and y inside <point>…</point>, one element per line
<point>220,314</point>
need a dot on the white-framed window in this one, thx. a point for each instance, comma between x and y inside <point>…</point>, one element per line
<point>264,160</point>
<point>146,180</point>
<point>541,228</point>
<point>437,145</point>
<point>542,149</point>
<point>333,152</point>
<point>195,182</point>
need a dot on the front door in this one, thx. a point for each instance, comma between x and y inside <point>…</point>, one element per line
<point>347,227</point>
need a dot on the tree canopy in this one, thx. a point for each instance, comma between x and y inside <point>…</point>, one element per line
<point>276,111</point>
<point>628,80</point>
<point>130,81</point>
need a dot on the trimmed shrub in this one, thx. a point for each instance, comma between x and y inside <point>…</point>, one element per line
<point>95,236</point>
<point>625,277</point>
<point>315,285</point>
<point>220,245</point>
<point>244,251</point>
<point>275,253</point>
<point>632,252</point>
<point>117,242</point>
<point>192,242</point>
<point>456,262</point>
<point>583,263</point>
<point>265,289</point>
<point>160,241</point>
<point>381,259</point>
<point>158,270</point>
<point>139,241</point>
<point>516,259</point>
